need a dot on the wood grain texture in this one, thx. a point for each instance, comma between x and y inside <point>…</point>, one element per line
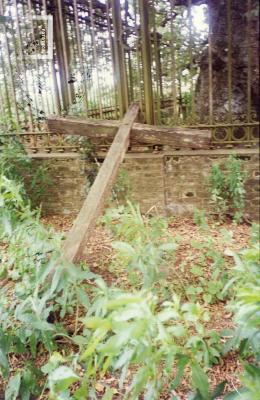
<point>95,129</point>
<point>78,235</point>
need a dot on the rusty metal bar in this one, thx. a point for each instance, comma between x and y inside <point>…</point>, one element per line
<point>10,67</point>
<point>112,49</point>
<point>120,66</point>
<point>23,67</point>
<point>93,35</point>
<point>5,86</point>
<point>173,63</point>
<point>82,68</point>
<point>210,69</point>
<point>63,57</point>
<point>191,57</point>
<point>53,76</point>
<point>229,60</point>
<point>37,90</point>
<point>249,61</point>
<point>146,59</point>
<point>138,58</point>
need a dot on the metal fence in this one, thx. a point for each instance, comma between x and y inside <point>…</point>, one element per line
<point>185,62</point>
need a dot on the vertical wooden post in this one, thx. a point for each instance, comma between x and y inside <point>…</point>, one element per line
<point>146,58</point>
<point>120,66</point>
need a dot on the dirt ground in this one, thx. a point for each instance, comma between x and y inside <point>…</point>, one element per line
<point>99,255</point>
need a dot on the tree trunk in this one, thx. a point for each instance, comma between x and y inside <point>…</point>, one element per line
<point>244,92</point>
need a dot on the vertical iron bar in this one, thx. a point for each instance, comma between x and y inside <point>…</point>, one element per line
<point>51,67</point>
<point>10,68</point>
<point>229,27</point>
<point>64,62</point>
<point>6,86</point>
<point>18,70</point>
<point>146,58</point>
<point>112,50</point>
<point>173,62</point>
<point>121,75</point>
<point>23,67</point>
<point>139,72</point>
<point>36,88</point>
<point>249,62</point>
<point>93,34</point>
<point>210,69</point>
<point>191,57</point>
<point>78,37</point>
<point>157,65</point>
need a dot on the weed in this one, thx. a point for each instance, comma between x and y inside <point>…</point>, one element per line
<point>246,308</point>
<point>227,190</point>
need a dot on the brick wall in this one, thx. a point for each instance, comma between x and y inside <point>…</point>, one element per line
<point>173,183</point>
<point>68,182</point>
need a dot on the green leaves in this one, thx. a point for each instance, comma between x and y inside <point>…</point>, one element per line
<point>61,378</point>
<point>144,249</point>
<point>246,306</point>
<point>200,381</point>
<point>226,188</point>
<point>4,365</point>
<point>13,387</point>
<point>181,364</point>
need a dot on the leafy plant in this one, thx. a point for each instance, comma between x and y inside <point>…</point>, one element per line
<point>132,332</point>
<point>17,166</point>
<point>200,219</point>
<point>122,187</point>
<point>145,244</point>
<point>209,282</point>
<point>226,188</point>
<point>246,306</point>
<point>44,288</point>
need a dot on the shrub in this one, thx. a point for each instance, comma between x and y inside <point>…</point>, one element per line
<point>226,188</point>
<point>16,165</point>
<point>246,307</point>
<point>43,284</point>
<point>144,242</point>
<point>132,332</point>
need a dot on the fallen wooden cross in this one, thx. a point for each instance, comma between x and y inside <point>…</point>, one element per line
<point>96,130</point>
<point>79,234</point>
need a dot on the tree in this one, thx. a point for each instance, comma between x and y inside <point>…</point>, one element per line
<point>243,61</point>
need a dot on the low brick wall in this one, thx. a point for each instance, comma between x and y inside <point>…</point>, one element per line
<point>172,182</point>
<point>68,183</point>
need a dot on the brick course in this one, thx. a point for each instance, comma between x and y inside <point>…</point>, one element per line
<point>174,182</point>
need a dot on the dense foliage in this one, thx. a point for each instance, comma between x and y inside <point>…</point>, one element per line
<point>147,333</point>
<point>227,189</point>
<point>246,308</point>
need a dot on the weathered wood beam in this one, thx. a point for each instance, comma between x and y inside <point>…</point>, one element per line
<point>95,129</point>
<point>78,235</point>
